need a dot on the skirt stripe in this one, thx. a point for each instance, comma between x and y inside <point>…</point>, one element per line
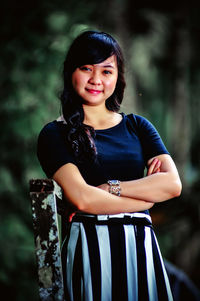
<point>72,242</point>
<point>161,278</point>
<point>104,248</point>
<point>142,267</point>
<point>118,259</point>
<point>77,274</point>
<point>94,255</point>
<point>87,276</point>
<point>114,261</point>
<point>152,288</point>
<point>64,265</point>
<point>131,262</point>
<point>164,291</point>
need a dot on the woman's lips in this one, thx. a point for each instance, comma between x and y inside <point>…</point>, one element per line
<point>93,91</point>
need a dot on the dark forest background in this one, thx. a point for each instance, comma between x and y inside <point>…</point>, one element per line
<point>161,43</point>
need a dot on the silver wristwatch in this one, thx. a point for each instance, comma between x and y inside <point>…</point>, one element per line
<point>114,187</point>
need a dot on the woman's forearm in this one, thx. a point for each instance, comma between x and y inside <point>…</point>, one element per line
<point>162,182</point>
<point>154,188</point>
<point>98,201</point>
<point>91,199</point>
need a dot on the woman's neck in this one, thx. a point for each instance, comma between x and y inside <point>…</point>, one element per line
<point>100,117</point>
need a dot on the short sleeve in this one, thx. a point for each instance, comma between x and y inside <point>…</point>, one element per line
<point>152,144</point>
<point>52,149</point>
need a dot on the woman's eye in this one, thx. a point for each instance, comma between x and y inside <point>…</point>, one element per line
<point>107,72</point>
<point>85,68</point>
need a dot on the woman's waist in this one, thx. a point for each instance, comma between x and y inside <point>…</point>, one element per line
<point>138,218</point>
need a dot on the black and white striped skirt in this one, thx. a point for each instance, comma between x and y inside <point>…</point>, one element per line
<point>111,258</point>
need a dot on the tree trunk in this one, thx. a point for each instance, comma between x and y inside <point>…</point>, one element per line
<point>180,125</point>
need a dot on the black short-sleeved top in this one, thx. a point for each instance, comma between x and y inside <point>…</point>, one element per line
<point>123,150</point>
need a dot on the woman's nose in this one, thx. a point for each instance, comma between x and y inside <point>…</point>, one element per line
<point>95,78</point>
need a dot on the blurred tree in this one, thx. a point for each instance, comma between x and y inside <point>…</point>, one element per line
<point>179,56</point>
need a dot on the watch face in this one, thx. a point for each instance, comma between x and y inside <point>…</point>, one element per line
<point>114,182</point>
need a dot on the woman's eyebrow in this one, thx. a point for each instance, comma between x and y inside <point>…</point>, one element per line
<point>108,66</point>
<point>105,66</point>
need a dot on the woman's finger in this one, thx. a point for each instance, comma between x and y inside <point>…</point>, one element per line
<point>157,167</point>
<point>152,166</point>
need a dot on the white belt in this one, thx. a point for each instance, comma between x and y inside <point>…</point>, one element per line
<point>104,217</point>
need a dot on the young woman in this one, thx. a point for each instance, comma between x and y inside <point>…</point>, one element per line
<point>98,157</point>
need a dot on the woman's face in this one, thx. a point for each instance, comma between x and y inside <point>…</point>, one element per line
<point>96,83</point>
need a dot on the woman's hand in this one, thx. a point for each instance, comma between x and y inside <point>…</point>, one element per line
<point>161,183</point>
<point>154,166</point>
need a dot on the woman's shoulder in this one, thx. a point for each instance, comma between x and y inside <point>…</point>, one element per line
<point>136,117</point>
<point>52,127</point>
<point>138,121</point>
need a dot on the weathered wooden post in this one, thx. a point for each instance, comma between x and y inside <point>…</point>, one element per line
<point>44,194</point>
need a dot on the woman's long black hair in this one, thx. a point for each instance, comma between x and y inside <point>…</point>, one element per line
<point>90,47</point>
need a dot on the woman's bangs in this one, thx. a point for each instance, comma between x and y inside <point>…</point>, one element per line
<point>94,52</point>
